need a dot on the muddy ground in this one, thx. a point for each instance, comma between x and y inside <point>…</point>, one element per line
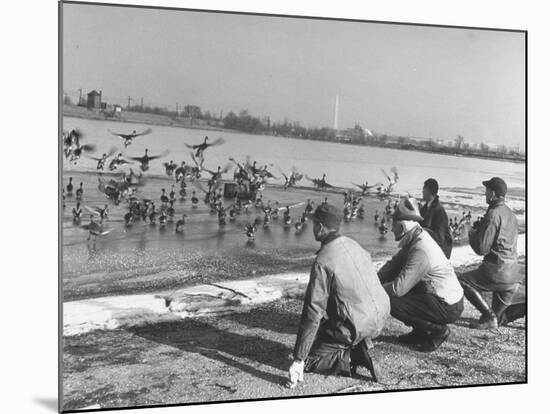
<point>245,356</point>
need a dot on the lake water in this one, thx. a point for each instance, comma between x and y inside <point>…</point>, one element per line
<point>143,249</point>
<point>342,163</point>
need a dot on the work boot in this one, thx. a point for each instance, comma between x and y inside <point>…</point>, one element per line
<point>360,357</point>
<point>437,335</point>
<point>487,321</point>
<point>414,337</point>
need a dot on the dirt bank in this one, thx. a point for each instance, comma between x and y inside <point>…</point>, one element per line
<point>245,355</point>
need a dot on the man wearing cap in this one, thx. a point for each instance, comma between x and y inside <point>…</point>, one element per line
<point>495,238</point>
<point>423,288</point>
<point>435,217</point>
<point>345,305</point>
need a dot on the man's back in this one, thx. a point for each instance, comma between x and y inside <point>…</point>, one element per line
<point>356,293</point>
<point>496,237</point>
<point>437,222</point>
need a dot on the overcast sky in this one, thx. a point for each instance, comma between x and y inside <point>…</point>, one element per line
<point>399,80</point>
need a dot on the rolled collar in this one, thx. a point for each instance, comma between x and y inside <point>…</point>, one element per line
<point>496,202</point>
<point>329,237</point>
<point>409,237</point>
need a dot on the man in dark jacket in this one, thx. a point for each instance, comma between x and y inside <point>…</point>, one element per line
<point>344,305</point>
<point>496,239</point>
<point>424,291</point>
<point>435,217</point>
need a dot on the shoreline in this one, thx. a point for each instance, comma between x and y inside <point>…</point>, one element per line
<point>164,120</point>
<point>222,297</point>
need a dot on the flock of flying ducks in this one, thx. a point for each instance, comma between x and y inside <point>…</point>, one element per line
<point>250,179</point>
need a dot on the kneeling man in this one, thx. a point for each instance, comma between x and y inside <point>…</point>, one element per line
<point>344,306</point>
<point>423,288</point>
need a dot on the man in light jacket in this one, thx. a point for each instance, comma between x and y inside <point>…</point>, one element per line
<point>496,239</point>
<point>345,305</point>
<point>423,288</point>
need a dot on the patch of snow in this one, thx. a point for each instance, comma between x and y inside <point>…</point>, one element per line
<point>113,312</point>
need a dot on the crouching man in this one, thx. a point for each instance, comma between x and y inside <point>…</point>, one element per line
<point>344,305</point>
<point>424,291</point>
<point>496,239</point>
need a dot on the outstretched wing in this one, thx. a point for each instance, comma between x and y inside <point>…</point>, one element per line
<point>386,174</point>
<point>196,162</point>
<point>394,172</point>
<point>282,173</point>
<point>164,154</point>
<point>226,168</point>
<point>88,148</point>
<point>146,132</point>
<point>217,141</point>
<point>199,186</point>
<point>117,134</point>
<point>92,210</point>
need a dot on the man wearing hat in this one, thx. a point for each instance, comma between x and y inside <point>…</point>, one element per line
<point>424,291</point>
<point>344,305</point>
<point>495,238</point>
<point>435,217</point>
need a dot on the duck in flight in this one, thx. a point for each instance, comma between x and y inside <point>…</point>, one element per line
<point>129,137</point>
<point>145,159</point>
<point>200,148</point>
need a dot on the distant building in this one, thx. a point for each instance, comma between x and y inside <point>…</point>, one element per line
<point>117,108</point>
<point>94,100</point>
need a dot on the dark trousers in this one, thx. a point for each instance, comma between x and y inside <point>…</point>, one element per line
<point>328,357</point>
<point>424,311</point>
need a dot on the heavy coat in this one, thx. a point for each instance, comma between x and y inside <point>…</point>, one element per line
<point>437,223</point>
<point>420,264</point>
<point>344,299</point>
<point>496,239</point>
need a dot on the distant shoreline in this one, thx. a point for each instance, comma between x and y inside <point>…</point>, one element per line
<point>73,111</point>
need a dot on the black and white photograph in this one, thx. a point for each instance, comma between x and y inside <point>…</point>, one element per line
<point>266,206</point>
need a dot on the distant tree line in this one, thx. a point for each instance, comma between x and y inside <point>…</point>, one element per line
<point>245,122</point>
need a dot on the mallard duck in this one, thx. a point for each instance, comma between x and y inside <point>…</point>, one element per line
<point>70,187</point>
<point>200,148</point>
<point>180,224</point>
<point>153,214</point>
<point>79,192</point>
<point>170,210</point>
<point>94,229</point>
<point>77,212</point>
<point>194,200</point>
<point>169,167</point>
<point>146,159</point>
<point>118,160</point>
<point>163,197</point>
<point>251,228</point>
<point>129,137</point>
<point>383,229</point>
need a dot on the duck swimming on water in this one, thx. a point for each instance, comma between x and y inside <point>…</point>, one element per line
<point>170,167</point>
<point>70,187</point>
<point>194,200</point>
<point>180,224</point>
<point>79,192</point>
<point>77,212</point>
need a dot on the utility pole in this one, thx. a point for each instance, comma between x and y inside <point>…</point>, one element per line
<point>80,96</point>
<point>129,100</point>
<point>176,109</point>
<point>141,104</point>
